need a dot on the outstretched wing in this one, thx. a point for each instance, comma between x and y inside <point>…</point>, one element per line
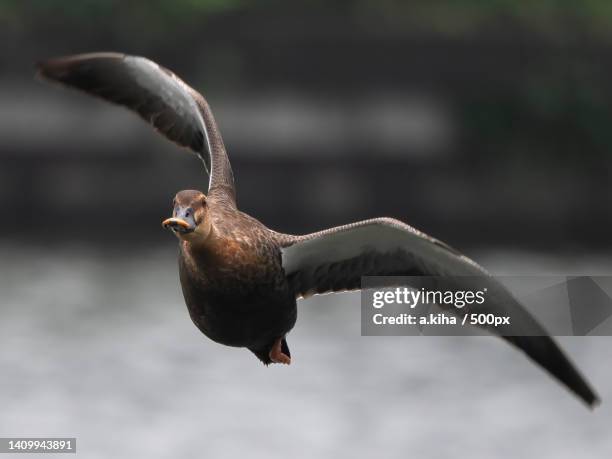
<point>157,95</point>
<point>335,260</point>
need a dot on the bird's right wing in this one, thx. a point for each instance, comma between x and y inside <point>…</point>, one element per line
<point>160,97</point>
<point>335,260</point>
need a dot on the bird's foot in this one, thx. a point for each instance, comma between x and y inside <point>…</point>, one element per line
<point>276,353</point>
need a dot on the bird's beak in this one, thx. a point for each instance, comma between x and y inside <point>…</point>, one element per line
<point>182,223</point>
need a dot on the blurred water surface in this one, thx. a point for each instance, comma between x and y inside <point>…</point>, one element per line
<point>99,345</point>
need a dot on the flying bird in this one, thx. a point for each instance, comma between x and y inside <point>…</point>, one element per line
<point>240,279</point>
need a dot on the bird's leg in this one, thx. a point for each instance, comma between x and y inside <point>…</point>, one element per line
<point>276,352</point>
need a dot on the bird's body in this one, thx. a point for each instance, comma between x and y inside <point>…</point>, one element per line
<point>234,285</point>
<point>241,279</point>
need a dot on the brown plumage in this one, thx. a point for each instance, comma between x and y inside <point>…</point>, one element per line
<point>232,278</point>
<point>240,279</point>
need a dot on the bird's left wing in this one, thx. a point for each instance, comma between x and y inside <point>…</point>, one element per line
<point>334,260</point>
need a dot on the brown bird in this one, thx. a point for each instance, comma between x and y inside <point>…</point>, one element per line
<point>241,279</point>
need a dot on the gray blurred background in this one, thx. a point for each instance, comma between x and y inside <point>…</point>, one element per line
<point>485,124</point>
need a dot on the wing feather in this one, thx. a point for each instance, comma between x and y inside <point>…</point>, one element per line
<point>156,94</point>
<point>335,260</point>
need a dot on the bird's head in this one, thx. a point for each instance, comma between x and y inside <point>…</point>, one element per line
<point>190,217</point>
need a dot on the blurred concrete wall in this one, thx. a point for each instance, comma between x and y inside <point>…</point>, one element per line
<point>495,135</point>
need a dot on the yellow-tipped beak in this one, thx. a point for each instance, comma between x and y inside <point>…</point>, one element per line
<point>175,222</point>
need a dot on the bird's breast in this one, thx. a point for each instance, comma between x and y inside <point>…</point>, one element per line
<point>236,294</point>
